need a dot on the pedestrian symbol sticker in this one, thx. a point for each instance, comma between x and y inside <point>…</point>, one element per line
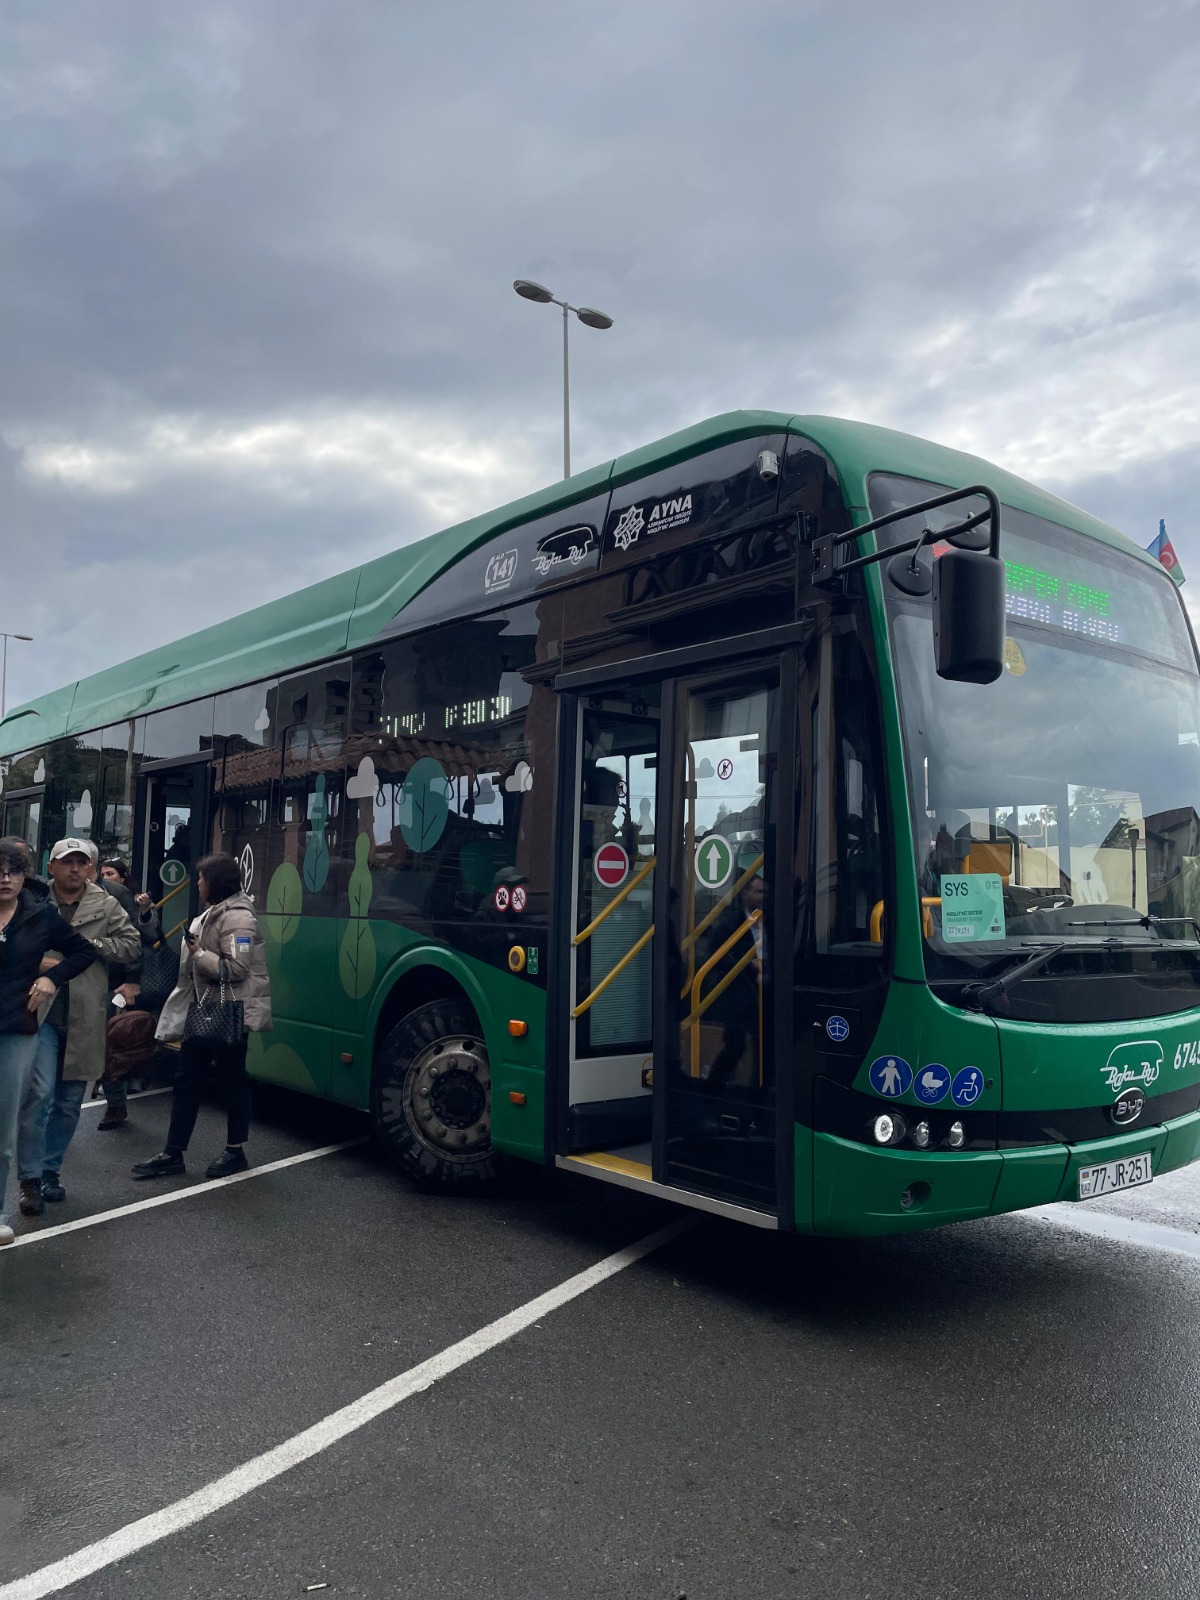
<point>172,873</point>
<point>967,1086</point>
<point>933,1084</point>
<point>611,865</point>
<point>891,1076</point>
<point>714,861</point>
<point>837,1028</point>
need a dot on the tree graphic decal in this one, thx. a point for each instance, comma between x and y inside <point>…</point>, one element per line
<point>356,957</point>
<point>316,848</point>
<point>424,804</point>
<point>285,896</point>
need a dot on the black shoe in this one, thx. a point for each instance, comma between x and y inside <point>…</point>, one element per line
<point>166,1165</point>
<point>52,1188</point>
<point>33,1202</point>
<point>227,1163</point>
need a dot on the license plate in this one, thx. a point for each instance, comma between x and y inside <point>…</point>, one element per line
<point>1113,1175</point>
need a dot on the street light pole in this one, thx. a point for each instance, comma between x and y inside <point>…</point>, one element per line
<point>591,319</point>
<point>28,638</point>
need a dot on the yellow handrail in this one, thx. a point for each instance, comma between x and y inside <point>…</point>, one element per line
<point>698,1009</point>
<point>614,902</point>
<point>171,893</point>
<point>616,971</point>
<point>877,910</point>
<point>725,900</point>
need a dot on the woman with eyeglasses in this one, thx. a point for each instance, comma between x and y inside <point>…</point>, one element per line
<point>29,928</point>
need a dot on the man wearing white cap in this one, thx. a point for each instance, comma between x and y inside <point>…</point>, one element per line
<point>71,1039</point>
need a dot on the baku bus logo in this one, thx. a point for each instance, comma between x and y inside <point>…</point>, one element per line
<point>1140,1061</point>
<point>569,544</point>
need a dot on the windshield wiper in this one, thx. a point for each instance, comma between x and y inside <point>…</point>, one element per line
<point>982,996</point>
<point>1147,922</point>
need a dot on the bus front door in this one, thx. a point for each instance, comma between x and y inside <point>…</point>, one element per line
<point>669,991</point>
<point>174,822</point>
<point>715,1050</point>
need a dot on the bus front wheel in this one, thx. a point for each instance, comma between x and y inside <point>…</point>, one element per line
<point>431,1097</point>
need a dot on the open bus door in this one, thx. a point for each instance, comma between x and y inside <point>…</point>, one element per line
<point>667,923</point>
<point>174,820</point>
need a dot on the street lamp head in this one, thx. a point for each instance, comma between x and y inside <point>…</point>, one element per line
<point>532,291</point>
<point>594,319</point>
<point>28,637</point>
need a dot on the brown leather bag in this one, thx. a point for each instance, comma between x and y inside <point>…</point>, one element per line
<point>129,1044</point>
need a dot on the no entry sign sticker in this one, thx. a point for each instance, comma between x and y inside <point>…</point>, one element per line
<point>611,865</point>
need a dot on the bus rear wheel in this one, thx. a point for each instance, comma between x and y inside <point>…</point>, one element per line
<point>431,1098</point>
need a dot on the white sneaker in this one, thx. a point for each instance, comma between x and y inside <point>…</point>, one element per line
<point>6,1234</point>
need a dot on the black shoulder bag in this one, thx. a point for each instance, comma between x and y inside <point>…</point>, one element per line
<point>215,1021</point>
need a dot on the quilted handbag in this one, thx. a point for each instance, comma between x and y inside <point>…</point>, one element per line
<point>215,1021</point>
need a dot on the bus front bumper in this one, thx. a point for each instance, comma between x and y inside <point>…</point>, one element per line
<point>862,1191</point>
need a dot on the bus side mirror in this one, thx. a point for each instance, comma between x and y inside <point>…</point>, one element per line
<point>968,616</point>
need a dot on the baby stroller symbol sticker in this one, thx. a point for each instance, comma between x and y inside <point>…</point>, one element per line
<point>967,1086</point>
<point>891,1076</point>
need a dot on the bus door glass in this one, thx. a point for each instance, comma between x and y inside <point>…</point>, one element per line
<point>174,820</point>
<point>23,819</point>
<point>715,1062</point>
<point>612,1014</point>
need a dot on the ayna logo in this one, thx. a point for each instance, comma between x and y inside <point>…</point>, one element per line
<point>500,572</point>
<point>1140,1061</point>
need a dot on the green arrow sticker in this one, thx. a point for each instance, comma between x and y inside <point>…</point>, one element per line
<point>172,873</point>
<point>714,861</point>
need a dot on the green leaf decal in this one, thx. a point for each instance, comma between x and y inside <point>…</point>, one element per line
<point>316,848</point>
<point>424,804</point>
<point>356,956</point>
<point>285,896</point>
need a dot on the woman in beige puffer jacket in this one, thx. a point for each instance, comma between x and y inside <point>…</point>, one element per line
<point>225,933</point>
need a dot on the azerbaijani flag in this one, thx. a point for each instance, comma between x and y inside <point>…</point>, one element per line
<point>1164,551</point>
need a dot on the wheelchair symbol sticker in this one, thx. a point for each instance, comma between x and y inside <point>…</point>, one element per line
<point>891,1076</point>
<point>967,1086</point>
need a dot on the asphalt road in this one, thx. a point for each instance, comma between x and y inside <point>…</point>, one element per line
<point>1001,1409</point>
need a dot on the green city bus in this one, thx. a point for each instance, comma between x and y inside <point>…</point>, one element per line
<point>792,819</point>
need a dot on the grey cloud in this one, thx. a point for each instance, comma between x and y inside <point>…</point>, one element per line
<point>286,212</point>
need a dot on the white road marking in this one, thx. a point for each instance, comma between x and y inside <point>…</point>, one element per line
<point>193,1508</point>
<point>1153,1235</point>
<point>142,1094</point>
<point>189,1193</point>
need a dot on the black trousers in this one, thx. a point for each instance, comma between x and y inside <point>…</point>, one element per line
<point>198,1063</point>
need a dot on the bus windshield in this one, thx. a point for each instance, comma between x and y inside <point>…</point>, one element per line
<point>1058,803</point>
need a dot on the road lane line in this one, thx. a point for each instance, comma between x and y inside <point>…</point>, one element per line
<point>142,1094</point>
<point>223,1491</point>
<point>189,1193</point>
<point>1152,1235</point>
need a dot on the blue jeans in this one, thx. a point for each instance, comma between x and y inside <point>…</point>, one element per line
<point>17,1053</point>
<point>51,1111</point>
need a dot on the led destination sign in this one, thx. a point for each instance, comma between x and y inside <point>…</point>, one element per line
<point>1058,602</point>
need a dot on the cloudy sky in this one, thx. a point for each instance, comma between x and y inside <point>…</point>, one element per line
<point>257,264</point>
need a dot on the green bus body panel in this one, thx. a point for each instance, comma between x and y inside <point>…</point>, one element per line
<point>348,610</point>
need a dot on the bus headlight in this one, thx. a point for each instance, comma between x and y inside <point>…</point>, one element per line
<point>922,1136</point>
<point>957,1136</point>
<point>888,1128</point>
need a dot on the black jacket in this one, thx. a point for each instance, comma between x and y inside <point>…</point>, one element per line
<point>35,928</point>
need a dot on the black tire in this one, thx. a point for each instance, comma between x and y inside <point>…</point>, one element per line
<point>431,1098</point>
